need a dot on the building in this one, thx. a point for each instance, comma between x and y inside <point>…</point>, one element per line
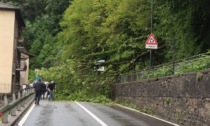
<point>14,61</point>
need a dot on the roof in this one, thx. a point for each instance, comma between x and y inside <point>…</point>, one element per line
<point>23,50</point>
<point>18,15</point>
<point>5,6</point>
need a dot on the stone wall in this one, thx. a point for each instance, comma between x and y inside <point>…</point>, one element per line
<point>183,99</point>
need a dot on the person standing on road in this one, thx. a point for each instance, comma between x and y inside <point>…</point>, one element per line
<point>51,88</point>
<point>38,87</point>
<point>44,89</point>
<point>46,85</point>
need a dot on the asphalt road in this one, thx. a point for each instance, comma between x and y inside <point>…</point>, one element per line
<point>83,114</point>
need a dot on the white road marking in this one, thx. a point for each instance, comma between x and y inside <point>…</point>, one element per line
<point>96,118</point>
<point>26,116</point>
<point>149,115</point>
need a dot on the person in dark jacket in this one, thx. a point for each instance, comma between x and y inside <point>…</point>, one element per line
<point>38,87</point>
<point>51,88</point>
<point>44,89</point>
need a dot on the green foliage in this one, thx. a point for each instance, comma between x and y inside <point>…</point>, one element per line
<point>68,37</point>
<point>199,76</point>
<point>32,75</point>
<point>73,88</point>
<point>80,96</point>
<point>196,65</point>
<point>162,72</point>
<point>146,110</point>
<point>70,85</point>
<point>43,44</point>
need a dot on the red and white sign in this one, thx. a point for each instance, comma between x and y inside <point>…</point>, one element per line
<point>151,42</point>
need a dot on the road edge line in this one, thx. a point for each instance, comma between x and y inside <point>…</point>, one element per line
<point>148,115</point>
<point>26,115</point>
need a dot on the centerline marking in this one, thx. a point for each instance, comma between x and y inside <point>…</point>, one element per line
<point>91,114</point>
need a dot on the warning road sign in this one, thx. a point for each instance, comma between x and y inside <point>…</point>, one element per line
<point>151,42</point>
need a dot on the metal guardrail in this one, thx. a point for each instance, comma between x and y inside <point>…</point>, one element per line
<point>13,110</point>
<point>168,69</point>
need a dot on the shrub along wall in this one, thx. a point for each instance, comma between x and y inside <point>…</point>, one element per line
<point>183,99</point>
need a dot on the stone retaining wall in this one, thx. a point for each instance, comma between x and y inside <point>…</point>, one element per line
<point>184,99</point>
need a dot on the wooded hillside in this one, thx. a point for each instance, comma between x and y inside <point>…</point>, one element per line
<point>69,37</point>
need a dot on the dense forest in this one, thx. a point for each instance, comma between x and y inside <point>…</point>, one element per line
<point>68,37</point>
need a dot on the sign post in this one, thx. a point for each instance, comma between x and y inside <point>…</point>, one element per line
<point>151,43</point>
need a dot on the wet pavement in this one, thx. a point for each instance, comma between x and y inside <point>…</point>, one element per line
<point>53,113</point>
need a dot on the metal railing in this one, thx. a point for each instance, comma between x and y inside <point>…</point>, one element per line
<point>13,105</point>
<point>191,64</point>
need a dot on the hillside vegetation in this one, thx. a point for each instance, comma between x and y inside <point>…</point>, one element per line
<point>69,37</point>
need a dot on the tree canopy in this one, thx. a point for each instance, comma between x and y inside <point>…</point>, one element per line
<point>69,37</point>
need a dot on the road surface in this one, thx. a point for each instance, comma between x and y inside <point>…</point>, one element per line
<point>83,114</point>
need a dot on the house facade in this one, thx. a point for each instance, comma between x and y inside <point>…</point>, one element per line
<point>14,59</point>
